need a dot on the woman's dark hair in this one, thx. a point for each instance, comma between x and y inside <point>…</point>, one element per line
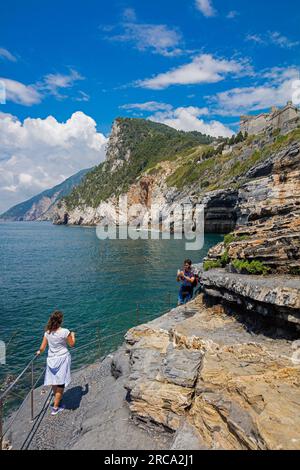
<point>54,321</point>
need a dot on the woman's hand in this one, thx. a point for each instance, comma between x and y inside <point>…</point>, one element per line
<point>38,353</point>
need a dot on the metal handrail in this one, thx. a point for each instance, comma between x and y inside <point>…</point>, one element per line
<point>76,348</point>
<point>30,365</point>
<point>22,404</point>
<point>33,386</point>
<point>11,386</point>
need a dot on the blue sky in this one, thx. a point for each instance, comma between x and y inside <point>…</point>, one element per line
<point>73,67</point>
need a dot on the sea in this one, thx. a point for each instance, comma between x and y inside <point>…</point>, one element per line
<point>103,287</point>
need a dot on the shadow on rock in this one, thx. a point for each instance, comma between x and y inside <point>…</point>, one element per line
<point>72,398</point>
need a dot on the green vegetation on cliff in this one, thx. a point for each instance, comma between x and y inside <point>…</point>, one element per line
<point>250,267</point>
<point>234,237</point>
<point>212,170</point>
<point>241,266</point>
<point>137,147</point>
<point>147,143</point>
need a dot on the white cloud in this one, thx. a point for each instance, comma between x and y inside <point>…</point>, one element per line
<point>148,106</point>
<point>157,38</point>
<point>53,83</point>
<point>276,90</point>
<point>255,38</point>
<point>206,7</point>
<point>5,54</point>
<point>203,69</point>
<point>273,38</point>
<point>189,119</point>
<point>20,93</point>
<point>232,14</point>
<point>282,41</point>
<point>183,118</point>
<point>82,96</point>
<point>39,153</point>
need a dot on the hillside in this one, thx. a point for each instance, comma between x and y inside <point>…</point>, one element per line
<point>135,146</point>
<point>251,185</point>
<point>39,205</point>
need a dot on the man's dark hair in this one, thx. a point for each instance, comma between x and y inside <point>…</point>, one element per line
<point>188,261</point>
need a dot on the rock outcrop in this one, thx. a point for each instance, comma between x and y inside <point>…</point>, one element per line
<point>203,374</point>
<point>220,211</point>
<point>268,214</point>
<point>118,151</point>
<point>276,298</point>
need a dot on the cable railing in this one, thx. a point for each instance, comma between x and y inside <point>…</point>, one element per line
<point>32,382</point>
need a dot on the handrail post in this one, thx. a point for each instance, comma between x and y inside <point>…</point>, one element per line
<point>169,295</point>
<point>1,424</point>
<point>32,392</point>
<point>137,314</point>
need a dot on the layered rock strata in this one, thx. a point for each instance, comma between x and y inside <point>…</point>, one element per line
<point>268,215</point>
<point>201,373</point>
<point>277,298</point>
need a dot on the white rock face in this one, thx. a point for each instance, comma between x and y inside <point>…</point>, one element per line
<point>117,152</point>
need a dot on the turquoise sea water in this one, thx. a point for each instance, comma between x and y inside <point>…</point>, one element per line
<point>46,267</point>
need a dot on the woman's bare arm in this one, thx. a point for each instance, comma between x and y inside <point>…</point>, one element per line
<point>71,340</point>
<point>190,279</point>
<point>43,346</point>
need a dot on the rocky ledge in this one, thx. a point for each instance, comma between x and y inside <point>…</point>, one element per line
<point>199,377</point>
<point>275,297</point>
<point>208,377</point>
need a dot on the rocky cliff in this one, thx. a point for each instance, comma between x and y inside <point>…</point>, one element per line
<point>268,213</point>
<point>217,381</point>
<point>254,188</point>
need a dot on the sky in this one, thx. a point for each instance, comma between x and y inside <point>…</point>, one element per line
<point>68,69</point>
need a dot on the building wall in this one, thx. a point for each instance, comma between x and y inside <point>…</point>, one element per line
<point>255,125</point>
<point>277,120</point>
<point>283,116</point>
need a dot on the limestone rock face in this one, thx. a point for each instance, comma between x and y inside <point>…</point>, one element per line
<point>117,151</point>
<point>220,211</point>
<point>201,373</point>
<point>268,214</point>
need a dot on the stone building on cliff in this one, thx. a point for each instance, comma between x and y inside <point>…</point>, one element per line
<point>285,119</point>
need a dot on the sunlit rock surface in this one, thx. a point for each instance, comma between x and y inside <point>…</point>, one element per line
<point>199,369</point>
